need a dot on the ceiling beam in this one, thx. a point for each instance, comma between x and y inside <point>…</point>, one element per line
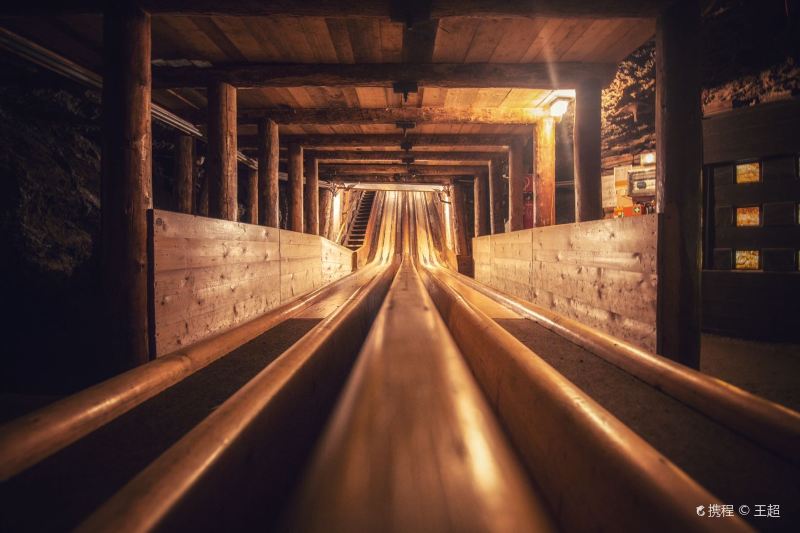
<point>396,156</point>
<point>391,141</point>
<point>419,115</point>
<point>564,75</point>
<point>363,8</point>
<point>442,170</point>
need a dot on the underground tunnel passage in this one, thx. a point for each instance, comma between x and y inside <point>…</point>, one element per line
<point>400,266</point>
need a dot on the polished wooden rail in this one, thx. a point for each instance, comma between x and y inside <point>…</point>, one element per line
<point>413,445</point>
<point>233,470</point>
<point>595,472</point>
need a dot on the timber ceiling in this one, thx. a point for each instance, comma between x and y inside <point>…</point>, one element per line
<point>226,40</point>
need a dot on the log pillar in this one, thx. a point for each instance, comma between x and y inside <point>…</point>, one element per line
<point>495,198</point>
<point>202,195</point>
<point>222,166</point>
<point>325,215</point>
<point>184,172</point>
<point>586,137</point>
<point>296,187</point>
<point>268,157</point>
<point>459,220</point>
<point>679,160</point>
<point>311,203</point>
<point>252,195</point>
<point>516,186</point>
<point>127,190</point>
<point>480,201</point>
<point>544,172</point>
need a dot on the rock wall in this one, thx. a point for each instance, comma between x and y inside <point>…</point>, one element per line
<point>750,55</point>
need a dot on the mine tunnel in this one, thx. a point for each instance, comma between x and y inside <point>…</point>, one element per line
<point>424,265</point>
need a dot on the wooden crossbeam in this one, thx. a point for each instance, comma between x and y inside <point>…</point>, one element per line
<point>391,141</point>
<point>428,170</point>
<point>419,115</point>
<point>363,8</point>
<point>563,75</point>
<point>397,156</point>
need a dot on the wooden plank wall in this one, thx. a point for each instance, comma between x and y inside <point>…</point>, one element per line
<point>602,273</point>
<point>210,275</point>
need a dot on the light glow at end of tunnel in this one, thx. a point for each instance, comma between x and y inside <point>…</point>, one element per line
<point>559,107</point>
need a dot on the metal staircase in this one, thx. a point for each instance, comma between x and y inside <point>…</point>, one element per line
<point>358,228</point>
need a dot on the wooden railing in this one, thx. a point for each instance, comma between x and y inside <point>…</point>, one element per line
<point>601,273</point>
<point>210,275</point>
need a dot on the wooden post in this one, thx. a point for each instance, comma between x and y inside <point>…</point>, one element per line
<point>586,137</point>
<point>544,172</point>
<point>480,187</point>
<point>459,221</point>
<point>222,171</point>
<point>202,195</point>
<point>268,157</point>
<point>127,189</point>
<point>679,160</point>
<point>296,187</point>
<point>325,215</point>
<point>184,172</point>
<point>252,195</point>
<point>311,203</point>
<point>516,186</point>
<point>495,198</point>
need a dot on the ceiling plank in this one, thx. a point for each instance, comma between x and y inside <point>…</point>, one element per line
<point>419,115</point>
<point>363,8</point>
<point>391,140</point>
<point>428,170</point>
<point>562,75</point>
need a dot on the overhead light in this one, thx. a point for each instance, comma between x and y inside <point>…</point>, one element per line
<point>559,107</point>
<point>647,158</point>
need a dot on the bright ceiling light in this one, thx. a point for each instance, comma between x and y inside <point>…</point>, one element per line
<point>559,107</point>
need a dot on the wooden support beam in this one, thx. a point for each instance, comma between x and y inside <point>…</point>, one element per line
<point>498,142</point>
<point>364,9</point>
<point>222,171</point>
<point>544,173</point>
<point>202,195</point>
<point>480,204</point>
<point>325,211</point>
<point>268,159</point>
<point>459,220</point>
<point>311,198</point>
<point>448,75</point>
<point>679,160</point>
<point>184,172</point>
<point>496,218</point>
<point>586,135</point>
<point>430,170</point>
<point>396,156</point>
<point>127,188</point>
<point>391,115</point>
<point>516,186</point>
<point>296,188</point>
<point>252,195</point>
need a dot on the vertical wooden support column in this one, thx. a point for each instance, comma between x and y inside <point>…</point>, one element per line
<point>311,203</point>
<point>586,137</point>
<point>495,198</point>
<point>459,220</point>
<point>296,187</point>
<point>184,172</point>
<point>222,178</point>
<point>679,160</point>
<point>516,186</point>
<point>252,195</point>
<point>544,172</point>
<point>325,208</point>
<point>127,189</point>
<point>202,195</point>
<point>480,190</point>
<point>268,156</point>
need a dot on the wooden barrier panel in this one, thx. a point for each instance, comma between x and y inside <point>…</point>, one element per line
<point>602,273</point>
<point>210,275</point>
